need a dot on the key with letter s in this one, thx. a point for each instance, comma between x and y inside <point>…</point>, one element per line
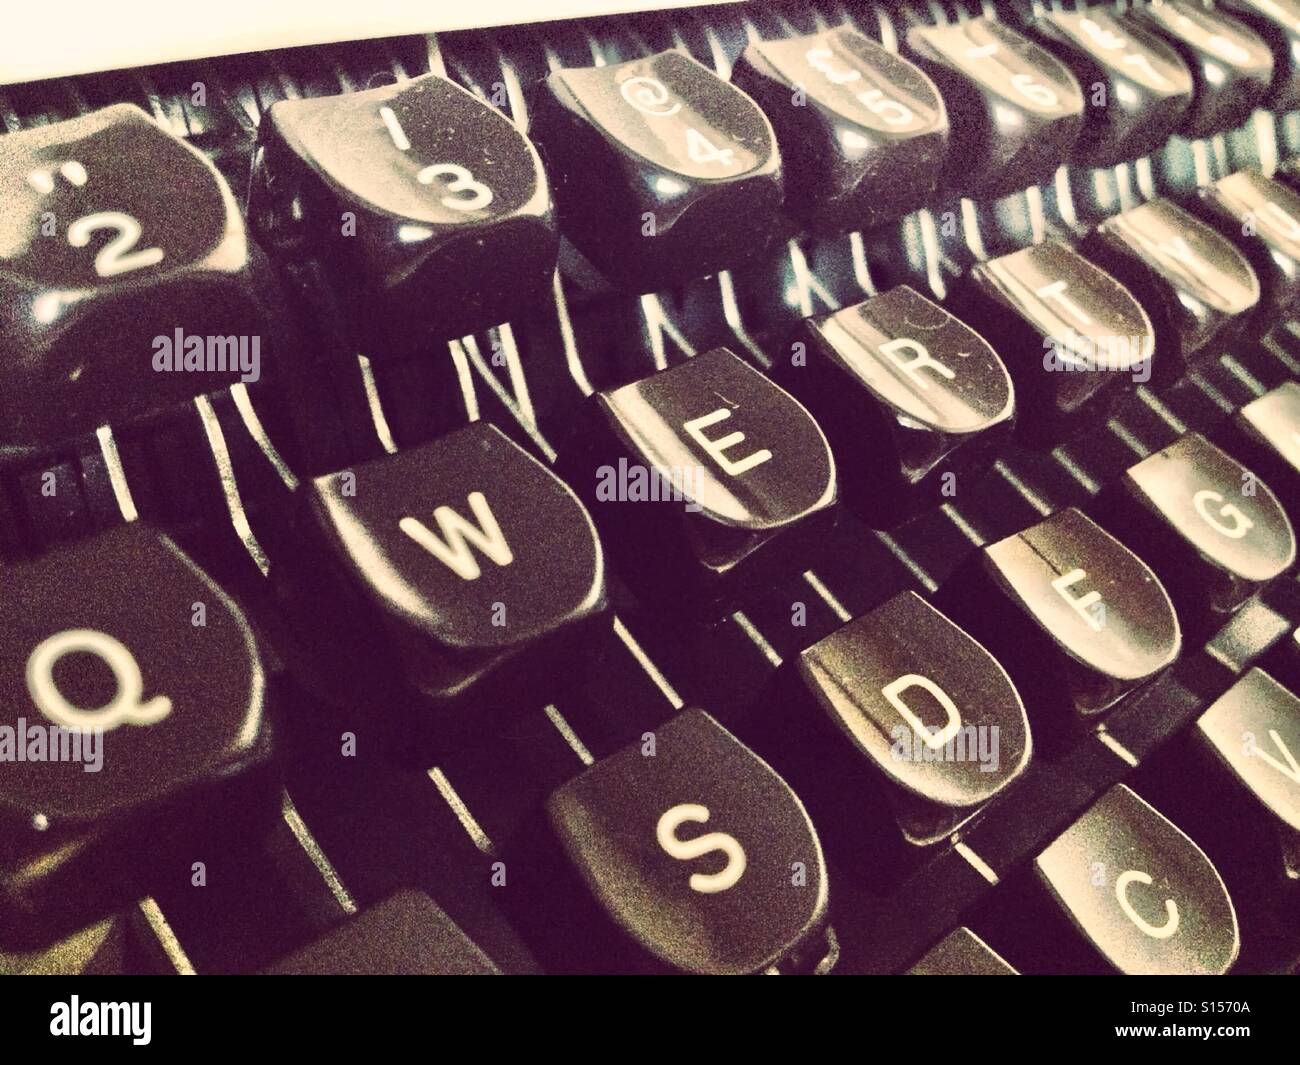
<point>662,170</point>
<point>126,654</point>
<point>121,248</point>
<point>695,850</point>
<point>429,207</point>
<point>448,576</point>
<point>703,477</point>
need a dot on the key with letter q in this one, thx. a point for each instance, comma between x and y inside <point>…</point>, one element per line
<point>132,721</point>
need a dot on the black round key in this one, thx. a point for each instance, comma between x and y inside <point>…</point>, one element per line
<point>1230,63</point>
<point>1254,730</point>
<point>1072,334</point>
<point>1278,23</point>
<point>1262,217</point>
<point>407,934</point>
<point>429,207</point>
<point>704,478</point>
<point>1213,531</point>
<point>1015,109</point>
<point>662,170</point>
<point>699,853</point>
<point>128,283</point>
<point>1265,435</point>
<point>913,400</point>
<point>924,705</point>
<point>464,568</point>
<point>152,673</point>
<point>1198,287</point>
<point>1163,908</point>
<point>1075,615</point>
<point>961,953</point>
<point>1137,87</point>
<point>863,132</point>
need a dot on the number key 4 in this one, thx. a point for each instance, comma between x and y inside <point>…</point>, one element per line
<point>663,171</point>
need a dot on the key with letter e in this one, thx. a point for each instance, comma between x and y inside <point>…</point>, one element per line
<point>702,477</point>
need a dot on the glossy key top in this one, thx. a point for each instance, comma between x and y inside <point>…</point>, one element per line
<point>1278,23</point>
<point>153,673</point>
<point>697,851</point>
<point>961,953</point>
<point>1199,289</point>
<point>128,282</point>
<point>1231,65</point>
<point>863,132</point>
<point>703,478</point>
<point>662,170</point>
<point>1161,908</point>
<point>1073,335</point>
<point>1015,109</point>
<point>1076,617</point>
<point>1262,217</point>
<point>926,706</point>
<point>428,206</point>
<point>406,934</point>
<point>914,401</point>
<point>1213,531</point>
<point>1265,433</point>
<point>463,567</point>
<point>1137,87</point>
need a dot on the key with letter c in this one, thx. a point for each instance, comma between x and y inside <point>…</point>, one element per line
<point>124,636</point>
<point>1144,895</point>
<point>695,850</point>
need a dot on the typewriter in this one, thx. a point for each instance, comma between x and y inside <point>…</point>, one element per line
<point>786,488</point>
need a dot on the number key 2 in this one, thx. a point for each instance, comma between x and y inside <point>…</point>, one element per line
<point>663,171</point>
<point>115,239</point>
<point>428,204</point>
